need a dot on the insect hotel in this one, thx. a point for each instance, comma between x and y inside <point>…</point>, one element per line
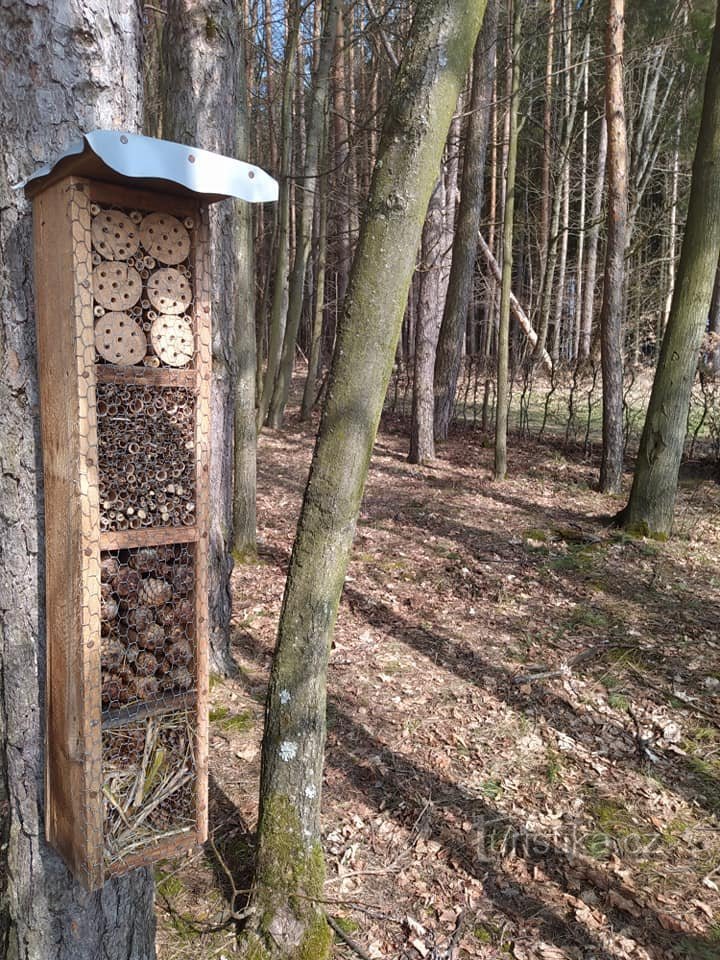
<point>122,282</point>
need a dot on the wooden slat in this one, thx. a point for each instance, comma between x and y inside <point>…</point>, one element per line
<point>146,376</point>
<point>111,194</point>
<point>169,847</point>
<point>147,537</point>
<point>139,711</point>
<point>73,809</point>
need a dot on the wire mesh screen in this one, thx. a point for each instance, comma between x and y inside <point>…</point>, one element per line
<point>147,616</point>
<point>148,782</point>
<point>143,287</point>
<point>146,454</point>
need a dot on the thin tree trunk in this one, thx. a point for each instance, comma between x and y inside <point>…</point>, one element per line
<point>517,311</point>
<point>244,359</point>
<point>501,407</point>
<point>452,330</point>
<point>582,216</point>
<point>278,311</point>
<point>288,921</point>
<point>427,328</point>
<point>44,912</point>
<point>588,303</point>
<point>652,498</point>
<point>317,325</point>
<point>309,185</point>
<point>611,319</point>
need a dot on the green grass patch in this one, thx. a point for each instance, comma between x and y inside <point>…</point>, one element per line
<point>492,789</point>
<point>231,722</point>
<point>168,884</point>
<point>347,925</point>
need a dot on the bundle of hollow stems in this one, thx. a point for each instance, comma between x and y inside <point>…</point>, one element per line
<point>149,769</point>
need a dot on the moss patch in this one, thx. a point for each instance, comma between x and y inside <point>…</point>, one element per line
<point>290,874</point>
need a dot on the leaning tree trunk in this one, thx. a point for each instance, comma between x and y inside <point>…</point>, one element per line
<point>452,330</point>
<point>652,498</point>
<point>44,913</point>
<point>288,921</point>
<point>201,66</point>
<point>611,319</point>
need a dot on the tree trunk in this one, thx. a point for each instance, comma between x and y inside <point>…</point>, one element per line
<point>278,311</point>
<point>427,327</point>
<point>452,330</point>
<point>202,67</point>
<point>611,319</point>
<point>288,921</point>
<point>310,184</point>
<point>44,913</point>
<point>501,406</point>
<point>588,301</point>
<point>652,498</point>
<point>310,390</point>
<point>245,354</point>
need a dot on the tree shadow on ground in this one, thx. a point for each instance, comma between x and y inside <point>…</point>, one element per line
<point>423,801</point>
<point>408,791</point>
<point>230,852</point>
<point>677,773</point>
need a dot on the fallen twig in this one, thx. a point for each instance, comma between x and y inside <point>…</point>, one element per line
<point>347,939</point>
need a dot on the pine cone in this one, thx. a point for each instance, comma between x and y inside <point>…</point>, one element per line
<point>155,593</point>
<point>166,615</point>
<point>179,654</point>
<point>110,692</point>
<point>146,664</point>
<point>153,638</point>
<point>127,583</point>
<point>185,611</point>
<point>183,579</point>
<point>140,618</point>
<point>147,688</point>
<point>108,608</point>
<point>112,654</point>
<point>182,678</point>
<point>109,568</point>
<point>145,560</point>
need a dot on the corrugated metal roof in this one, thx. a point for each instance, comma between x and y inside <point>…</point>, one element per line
<point>119,156</point>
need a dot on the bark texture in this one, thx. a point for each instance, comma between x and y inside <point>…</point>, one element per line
<point>245,355</point>
<point>611,315</point>
<point>431,295</point>
<point>289,921</point>
<point>202,64</point>
<point>449,354</point>
<point>501,406</point>
<point>67,67</point>
<point>652,498</point>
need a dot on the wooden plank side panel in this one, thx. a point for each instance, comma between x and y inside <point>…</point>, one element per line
<point>90,532</point>
<point>67,514</point>
<point>204,369</point>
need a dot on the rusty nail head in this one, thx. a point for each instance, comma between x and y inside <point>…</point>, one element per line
<point>191,158</point>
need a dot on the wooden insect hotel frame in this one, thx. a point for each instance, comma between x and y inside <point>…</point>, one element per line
<point>122,280</point>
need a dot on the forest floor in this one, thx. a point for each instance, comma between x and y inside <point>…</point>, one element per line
<point>524,705</point>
